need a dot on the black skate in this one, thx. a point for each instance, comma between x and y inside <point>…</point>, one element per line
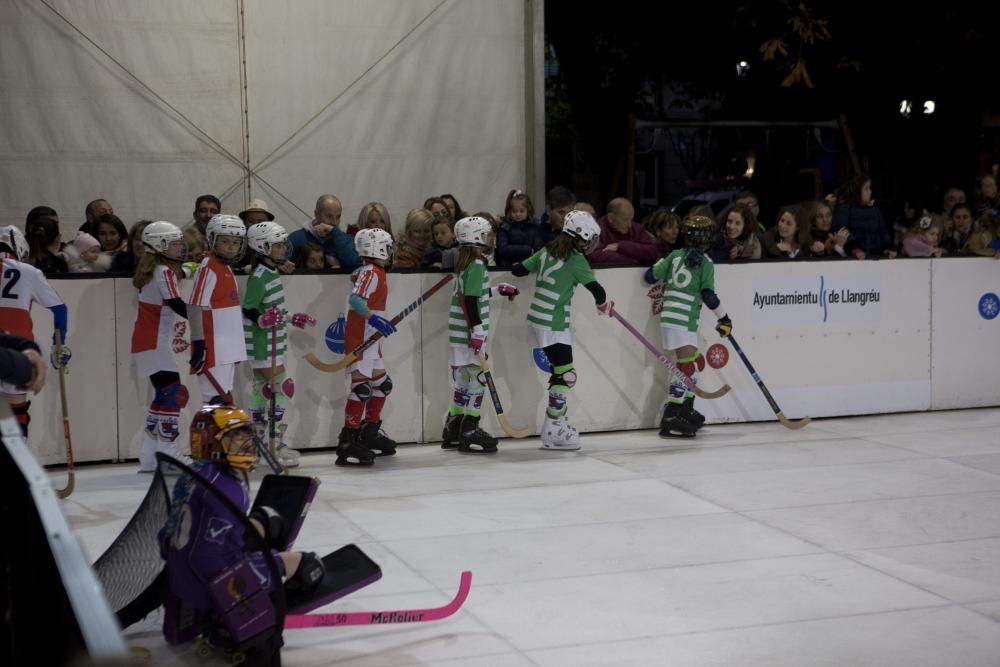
<point>674,424</point>
<point>474,439</point>
<point>372,437</point>
<point>452,432</point>
<point>692,415</point>
<point>350,452</point>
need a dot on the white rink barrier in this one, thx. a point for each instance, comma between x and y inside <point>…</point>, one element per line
<point>828,339</point>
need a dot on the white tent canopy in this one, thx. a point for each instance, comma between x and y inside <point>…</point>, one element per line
<point>143,102</point>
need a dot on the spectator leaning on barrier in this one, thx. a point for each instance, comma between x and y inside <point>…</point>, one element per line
<point>786,240</point>
<point>415,240</point>
<point>924,239</point>
<point>41,229</point>
<point>205,208</point>
<point>256,212</point>
<point>558,202</point>
<point>443,253</point>
<point>374,215</point>
<point>324,230</point>
<point>622,240</point>
<point>84,255</point>
<point>439,208</point>
<point>92,212</point>
<point>959,229</point>
<point>126,261</point>
<point>518,237</point>
<point>737,238</point>
<point>857,211</point>
<point>665,227</point>
<point>110,231</point>
<point>820,238</point>
<point>983,238</point>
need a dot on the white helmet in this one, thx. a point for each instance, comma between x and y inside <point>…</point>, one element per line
<point>473,231</point>
<point>264,236</point>
<point>375,243</point>
<point>581,225</point>
<point>13,237</point>
<point>224,224</point>
<point>157,237</point>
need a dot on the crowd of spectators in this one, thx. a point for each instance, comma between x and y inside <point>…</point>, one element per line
<point>846,224</point>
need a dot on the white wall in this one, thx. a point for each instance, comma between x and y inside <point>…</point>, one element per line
<point>923,345</point>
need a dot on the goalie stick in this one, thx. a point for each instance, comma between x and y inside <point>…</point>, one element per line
<point>262,448</point>
<point>356,353</point>
<point>495,397</point>
<point>688,382</point>
<point>383,617</point>
<point>71,482</point>
<point>785,421</point>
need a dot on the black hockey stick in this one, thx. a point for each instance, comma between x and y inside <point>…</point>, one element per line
<point>785,421</point>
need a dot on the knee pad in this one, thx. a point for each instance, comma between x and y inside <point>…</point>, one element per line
<point>284,385</point>
<point>361,391</point>
<point>383,386</point>
<point>691,365</point>
<point>567,378</point>
<point>467,377</point>
<point>167,429</point>
<point>173,395</point>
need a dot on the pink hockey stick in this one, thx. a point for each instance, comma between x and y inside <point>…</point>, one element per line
<point>383,617</point>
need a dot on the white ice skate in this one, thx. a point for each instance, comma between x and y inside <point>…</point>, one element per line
<point>287,456</point>
<point>174,452</point>
<point>558,434</point>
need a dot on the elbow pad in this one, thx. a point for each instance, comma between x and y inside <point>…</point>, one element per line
<point>649,277</point>
<point>359,305</point>
<point>710,298</point>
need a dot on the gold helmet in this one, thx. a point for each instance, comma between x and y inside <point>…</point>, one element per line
<point>208,443</point>
<point>699,232</point>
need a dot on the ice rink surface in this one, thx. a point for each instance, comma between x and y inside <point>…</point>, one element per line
<point>859,541</point>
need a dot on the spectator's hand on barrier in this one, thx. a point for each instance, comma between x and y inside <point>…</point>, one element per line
<point>382,325</point>
<point>507,290</point>
<point>859,253</point>
<point>724,326</point>
<point>891,254</point>
<point>37,370</point>
<point>611,247</point>
<point>287,267</point>
<point>60,356</point>
<point>735,251</point>
<point>817,248</point>
<point>606,308</point>
<point>302,320</point>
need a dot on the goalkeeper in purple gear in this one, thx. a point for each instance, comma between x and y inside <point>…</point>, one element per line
<point>204,541</point>
<point>468,326</point>
<point>688,275</point>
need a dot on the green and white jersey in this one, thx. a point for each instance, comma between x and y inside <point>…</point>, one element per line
<point>263,290</point>
<point>474,281</point>
<point>554,287</point>
<point>682,289</point>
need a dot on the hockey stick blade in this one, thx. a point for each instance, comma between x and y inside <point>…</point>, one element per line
<point>70,468</point>
<point>688,382</point>
<point>497,406</point>
<point>356,353</point>
<point>785,421</point>
<point>293,621</point>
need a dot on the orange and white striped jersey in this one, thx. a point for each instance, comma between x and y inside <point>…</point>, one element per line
<point>216,293</point>
<point>371,284</point>
<point>154,320</point>
<point>22,285</point>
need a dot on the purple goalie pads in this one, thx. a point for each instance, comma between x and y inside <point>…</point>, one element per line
<point>242,607</point>
<point>348,569</point>
<point>290,496</point>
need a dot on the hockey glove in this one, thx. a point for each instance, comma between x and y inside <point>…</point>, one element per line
<point>507,290</point>
<point>382,325</point>
<point>724,326</point>
<point>606,308</point>
<point>272,317</point>
<point>477,338</point>
<point>301,320</point>
<point>308,575</point>
<point>197,361</point>
<point>60,356</point>
<point>272,525</point>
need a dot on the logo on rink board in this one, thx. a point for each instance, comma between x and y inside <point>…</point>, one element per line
<point>846,299</point>
<point>717,355</point>
<point>989,306</point>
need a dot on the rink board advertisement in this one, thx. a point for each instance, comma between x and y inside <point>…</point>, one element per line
<point>861,355</point>
<point>965,363</point>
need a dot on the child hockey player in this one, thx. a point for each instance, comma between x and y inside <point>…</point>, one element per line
<point>561,266</point>
<point>203,541</point>
<point>152,338</point>
<point>362,439</point>
<point>468,326</point>
<point>214,308</point>
<point>689,279</point>
<point>263,309</point>
<point>21,285</point>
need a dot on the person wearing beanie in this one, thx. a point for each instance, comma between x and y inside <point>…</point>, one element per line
<point>84,255</point>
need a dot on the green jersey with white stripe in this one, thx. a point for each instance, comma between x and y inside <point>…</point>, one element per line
<point>554,287</point>
<point>263,290</point>
<point>472,282</point>
<point>682,289</point>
